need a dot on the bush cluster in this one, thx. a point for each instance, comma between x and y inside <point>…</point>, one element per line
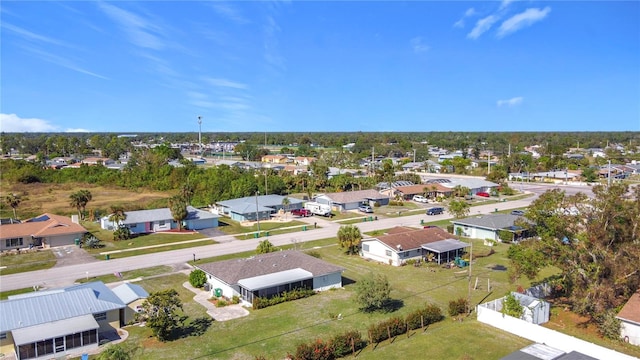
<point>396,203</point>
<point>457,307</point>
<point>395,326</point>
<point>260,303</point>
<point>339,346</point>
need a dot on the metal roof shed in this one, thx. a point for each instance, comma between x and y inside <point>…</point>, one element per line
<point>446,249</point>
<point>53,329</point>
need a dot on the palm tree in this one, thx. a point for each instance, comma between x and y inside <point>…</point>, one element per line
<point>117,215</point>
<point>187,191</point>
<point>79,200</point>
<point>349,237</point>
<point>178,210</point>
<point>285,205</point>
<point>13,200</point>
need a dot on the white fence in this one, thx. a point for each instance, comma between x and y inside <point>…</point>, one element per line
<point>542,335</point>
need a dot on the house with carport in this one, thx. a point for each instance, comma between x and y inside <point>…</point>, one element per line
<point>132,296</point>
<point>629,317</point>
<point>46,230</point>
<point>488,226</point>
<point>59,322</point>
<point>431,191</point>
<point>251,208</point>
<point>402,244</point>
<point>268,275</point>
<point>350,200</point>
<point>157,220</point>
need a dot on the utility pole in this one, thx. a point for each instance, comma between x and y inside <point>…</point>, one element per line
<point>414,155</point>
<point>609,174</point>
<point>489,162</point>
<point>257,213</point>
<point>200,134</point>
<point>469,280</point>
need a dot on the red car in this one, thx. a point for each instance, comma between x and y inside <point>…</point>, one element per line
<point>301,212</point>
<point>483,194</point>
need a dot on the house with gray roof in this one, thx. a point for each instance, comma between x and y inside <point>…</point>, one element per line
<point>149,221</point>
<point>489,226</point>
<point>261,207</point>
<point>473,184</point>
<point>350,200</point>
<point>54,323</point>
<point>268,275</point>
<point>133,296</point>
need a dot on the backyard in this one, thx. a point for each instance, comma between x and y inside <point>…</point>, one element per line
<point>276,330</point>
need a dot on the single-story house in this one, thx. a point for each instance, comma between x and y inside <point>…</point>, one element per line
<point>350,200</point>
<point>629,317</point>
<point>274,159</point>
<point>432,191</point>
<point>133,296</point>
<point>46,230</point>
<point>53,323</point>
<point>154,220</point>
<point>545,352</point>
<point>260,207</point>
<point>489,226</point>
<point>401,244</point>
<point>267,275</point>
<point>474,185</point>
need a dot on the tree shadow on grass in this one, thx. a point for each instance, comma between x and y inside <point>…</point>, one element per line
<point>393,305</point>
<point>196,327</point>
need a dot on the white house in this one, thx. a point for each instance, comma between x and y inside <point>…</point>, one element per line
<point>488,226</point>
<point>401,244</point>
<point>630,320</point>
<point>268,275</point>
<point>149,221</point>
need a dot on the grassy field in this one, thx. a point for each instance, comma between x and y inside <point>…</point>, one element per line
<point>54,198</point>
<point>128,275</point>
<point>231,227</point>
<point>276,330</point>
<point>27,261</point>
<point>5,294</point>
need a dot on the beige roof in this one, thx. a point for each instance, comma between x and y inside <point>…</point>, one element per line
<point>234,270</point>
<point>54,225</point>
<point>631,310</point>
<point>353,196</point>
<point>408,240</point>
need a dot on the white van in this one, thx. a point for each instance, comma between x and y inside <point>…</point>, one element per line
<point>420,198</point>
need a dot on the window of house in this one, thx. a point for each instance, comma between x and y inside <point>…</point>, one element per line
<point>100,316</point>
<point>388,252</point>
<point>3,335</point>
<point>161,222</point>
<point>365,247</point>
<point>13,242</point>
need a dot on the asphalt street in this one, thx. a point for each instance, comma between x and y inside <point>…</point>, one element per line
<point>66,275</point>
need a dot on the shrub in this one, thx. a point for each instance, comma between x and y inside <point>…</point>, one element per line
<point>317,350</point>
<point>457,307</point>
<point>511,306</point>
<point>122,233</point>
<point>347,343</point>
<point>387,328</point>
<point>450,228</point>
<point>608,324</point>
<point>260,303</point>
<point>235,299</point>
<point>197,278</point>
<point>422,317</point>
<point>314,253</point>
<point>221,303</point>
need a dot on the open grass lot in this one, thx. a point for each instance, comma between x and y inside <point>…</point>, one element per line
<point>275,330</point>
<point>39,198</point>
<point>231,227</point>
<point>27,261</point>
<point>5,294</point>
<point>129,275</point>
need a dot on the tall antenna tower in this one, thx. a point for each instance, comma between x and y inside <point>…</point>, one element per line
<point>200,133</point>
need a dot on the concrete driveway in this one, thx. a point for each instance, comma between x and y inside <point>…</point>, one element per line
<point>217,313</point>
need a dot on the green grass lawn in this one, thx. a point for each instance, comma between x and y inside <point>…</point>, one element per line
<point>5,294</point>
<point>276,330</point>
<point>27,261</point>
<point>128,275</point>
<point>231,227</point>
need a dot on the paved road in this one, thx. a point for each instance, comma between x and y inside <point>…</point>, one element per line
<point>66,275</point>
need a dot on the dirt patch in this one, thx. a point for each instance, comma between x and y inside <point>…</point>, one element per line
<point>563,319</point>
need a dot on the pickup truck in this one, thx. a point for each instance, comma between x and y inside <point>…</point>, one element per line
<point>301,212</point>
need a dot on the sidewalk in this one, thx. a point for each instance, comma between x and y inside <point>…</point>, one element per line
<point>217,313</point>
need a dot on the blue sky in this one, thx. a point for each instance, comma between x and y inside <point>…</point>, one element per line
<point>154,66</point>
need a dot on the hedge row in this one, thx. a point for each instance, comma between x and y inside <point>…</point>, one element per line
<point>339,346</point>
<point>395,326</point>
<point>260,303</point>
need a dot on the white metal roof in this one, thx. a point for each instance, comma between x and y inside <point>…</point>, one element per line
<point>129,293</point>
<point>279,278</point>
<point>53,329</point>
<point>445,245</point>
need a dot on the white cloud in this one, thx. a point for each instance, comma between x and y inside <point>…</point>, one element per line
<point>229,12</point>
<point>505,3</point>
<point>470,12</point>
<point>63,62</point>
<point>522,20</point>
<point>140,31</point>
<point>510,102</point>
<point>482,26</point>
<point>460,23</point>
<point>225,83</point>
<point>31,35</point>
<point>14,123</point>
<point>418,46</point>
<point>77,130</point>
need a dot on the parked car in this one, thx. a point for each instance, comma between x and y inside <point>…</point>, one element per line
<point>435,211</point>
<point>483,194</point>
<point>301,212</point>
<point>517,212</point>
<point>365,209</point>
<point>420,198</point>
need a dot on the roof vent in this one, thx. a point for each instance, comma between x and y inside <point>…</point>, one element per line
<point>274,265</point>
<point>399,247</point>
